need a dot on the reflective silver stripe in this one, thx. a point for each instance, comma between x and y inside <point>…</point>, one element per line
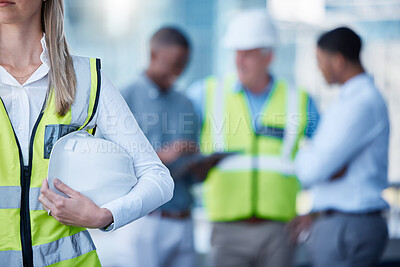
<point>280,165</point>
<point>236,163</point>
<point>43,255</point>
<point>34,203</point>
<point>10,197</point>
<point>63,249</point>
<point>79,109</point>
<point>218,116</point>
<point>265,163</point>
<point>292,123</point>
<point>11,258</point>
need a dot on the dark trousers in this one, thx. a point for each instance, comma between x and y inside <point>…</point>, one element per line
<point>343,240</point>
<point>243,244</point>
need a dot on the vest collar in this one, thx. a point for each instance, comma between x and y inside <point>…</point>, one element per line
<point>239,87</point>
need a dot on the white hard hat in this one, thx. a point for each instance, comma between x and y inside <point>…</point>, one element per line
<point>251,29</point>
<point>97,168</point>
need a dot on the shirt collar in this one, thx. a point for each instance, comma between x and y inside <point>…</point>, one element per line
<point>44,56</point>
<point>239,87</point>
<point>353,84</point>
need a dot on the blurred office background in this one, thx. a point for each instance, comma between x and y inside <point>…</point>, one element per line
<point>118,32</point>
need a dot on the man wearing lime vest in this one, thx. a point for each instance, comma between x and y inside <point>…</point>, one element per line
<point>250,195</point>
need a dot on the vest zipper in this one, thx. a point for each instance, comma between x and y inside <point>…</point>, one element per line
<point>254,176</point>
<point>25,224</point>
<point>26,235</point>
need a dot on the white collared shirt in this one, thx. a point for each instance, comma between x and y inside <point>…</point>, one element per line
<point>352,133</point>
<point>115,122</point>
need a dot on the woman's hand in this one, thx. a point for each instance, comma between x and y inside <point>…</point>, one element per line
<point>77,210</point>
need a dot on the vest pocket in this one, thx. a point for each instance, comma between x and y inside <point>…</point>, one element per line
<point>53,132</point>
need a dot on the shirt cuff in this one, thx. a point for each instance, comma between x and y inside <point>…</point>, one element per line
<point>123,212</point>
<point>108,228</point>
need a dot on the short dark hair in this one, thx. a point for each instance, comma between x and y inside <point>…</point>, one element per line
<point>342,40</point>
<point>170,36</point>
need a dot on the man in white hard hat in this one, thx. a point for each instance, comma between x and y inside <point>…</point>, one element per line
<point>250,196</point>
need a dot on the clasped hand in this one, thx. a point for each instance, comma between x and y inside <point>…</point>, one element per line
<point>75,210</point>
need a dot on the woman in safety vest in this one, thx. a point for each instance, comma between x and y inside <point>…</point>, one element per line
<point>46,92</point>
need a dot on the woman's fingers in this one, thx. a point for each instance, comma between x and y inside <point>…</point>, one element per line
<point>65,188</point>
<point>77,210</point>
<point>52,202</point>
<point>46,204</point>
<point>50,194</point>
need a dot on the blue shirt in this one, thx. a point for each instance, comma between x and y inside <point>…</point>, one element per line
<point>165,117</point>
<point>196,93</point>
<point>352,133</point>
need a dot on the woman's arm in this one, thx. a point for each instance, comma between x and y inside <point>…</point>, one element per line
<point>155,186</point>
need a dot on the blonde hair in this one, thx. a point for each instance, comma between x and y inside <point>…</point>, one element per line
<point>62,74</point>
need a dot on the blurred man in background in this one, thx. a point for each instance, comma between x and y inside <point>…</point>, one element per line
<point>251,195</point>
<point>167,118</point>
<point>346,163</point>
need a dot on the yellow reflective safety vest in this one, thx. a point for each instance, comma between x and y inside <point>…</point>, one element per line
<point>258,180</point>
<point>28,236</point>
